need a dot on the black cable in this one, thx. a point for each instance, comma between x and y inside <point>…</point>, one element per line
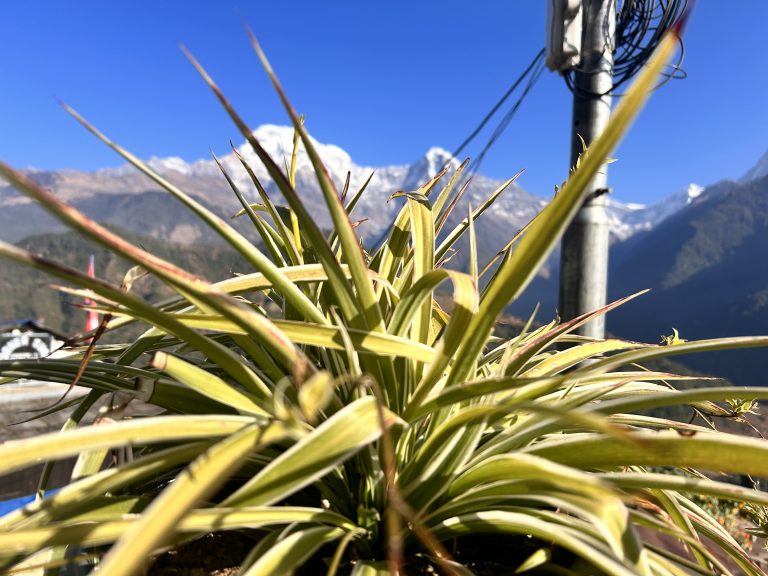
<point>474,166</point>
<point>537,59</point>
<point>640,26</point>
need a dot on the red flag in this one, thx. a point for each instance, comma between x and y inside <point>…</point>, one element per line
<point>92,321</point>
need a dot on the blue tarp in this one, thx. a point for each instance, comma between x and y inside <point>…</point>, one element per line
<point>11,505</point>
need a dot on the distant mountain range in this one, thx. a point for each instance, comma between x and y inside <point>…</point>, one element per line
<point>111,195</point>
<point>27,294</point>
<point>128,199</point>
<point>707,266</point>
<point>702,250</point>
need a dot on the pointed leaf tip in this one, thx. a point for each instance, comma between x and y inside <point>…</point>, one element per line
<point>679,27</point>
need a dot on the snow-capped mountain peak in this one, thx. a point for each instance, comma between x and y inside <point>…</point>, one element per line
<point>428,166</point>
<point>174,163</point>
<point>278,142</point>
<point>437,158</point>
<point>511,211</point>
<point>694,191</point>
<point>627,219</point>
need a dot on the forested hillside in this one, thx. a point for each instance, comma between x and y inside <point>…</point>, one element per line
<point>26,293</point>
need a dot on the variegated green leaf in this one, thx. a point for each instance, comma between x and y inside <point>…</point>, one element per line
<point>198,521</point>
<point>17,454</point>
<point>319,452</point>
<point>536,244</point>
<point>208,472</point>
<point>207,384</point>
<point>712,451</point>
<point>565,359</point>
<point>292,551</point>
<point>324,336</point>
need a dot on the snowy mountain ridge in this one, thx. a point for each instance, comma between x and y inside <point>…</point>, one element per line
<point>625,218</point>
<point>202,178</point>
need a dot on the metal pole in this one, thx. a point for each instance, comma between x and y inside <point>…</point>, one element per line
<point>584,252</point>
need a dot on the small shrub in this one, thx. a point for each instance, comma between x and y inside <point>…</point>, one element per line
<point>359,426</point>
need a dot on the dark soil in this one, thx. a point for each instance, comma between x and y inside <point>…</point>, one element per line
<point>217,554</point>
<point>499,555</point>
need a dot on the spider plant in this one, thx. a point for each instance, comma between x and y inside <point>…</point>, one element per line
<point>359,423</point>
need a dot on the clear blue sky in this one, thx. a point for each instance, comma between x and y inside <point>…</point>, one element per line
<point>385,80</point>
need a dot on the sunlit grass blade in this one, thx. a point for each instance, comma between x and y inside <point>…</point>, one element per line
<point>292,181</point>
<point>709,451</point>
<point>505,252</point>
<point>352,252</point>
<point>439,205</point>
<point>666,397</point>
<point>277,220</point>
<point>242,284</point>
<point>335,440</point>
<point>525,467</point>
<point>515,274</point>
<point>463,226</point>
<point>337,282</point>
<point>17,454</point>
<point>350,354</point>
<point>678,517</point>
<point>457,426</point>
<point>89,228</point>
<point>703,525</point>
<point>472,246</point>
<point>72,499</point>
<point>292,551</point>
<point>266,237</point>
<point>203,476</point>
<point>465,306</point>
<point>443,219</point>
<point>546,337</point>
<point>423,246</point>
<point>370,568</point>
<point>351,204</point>
<point>561,361</point>
<point>428,473</point>
<point>390,255</point>
<point>324,336</point>
<point>198,521</point>
<point>692,347</point>
<point>642,481</point>
<point>477,389</point>
<point>234,238</point>
<point>207,384</point>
